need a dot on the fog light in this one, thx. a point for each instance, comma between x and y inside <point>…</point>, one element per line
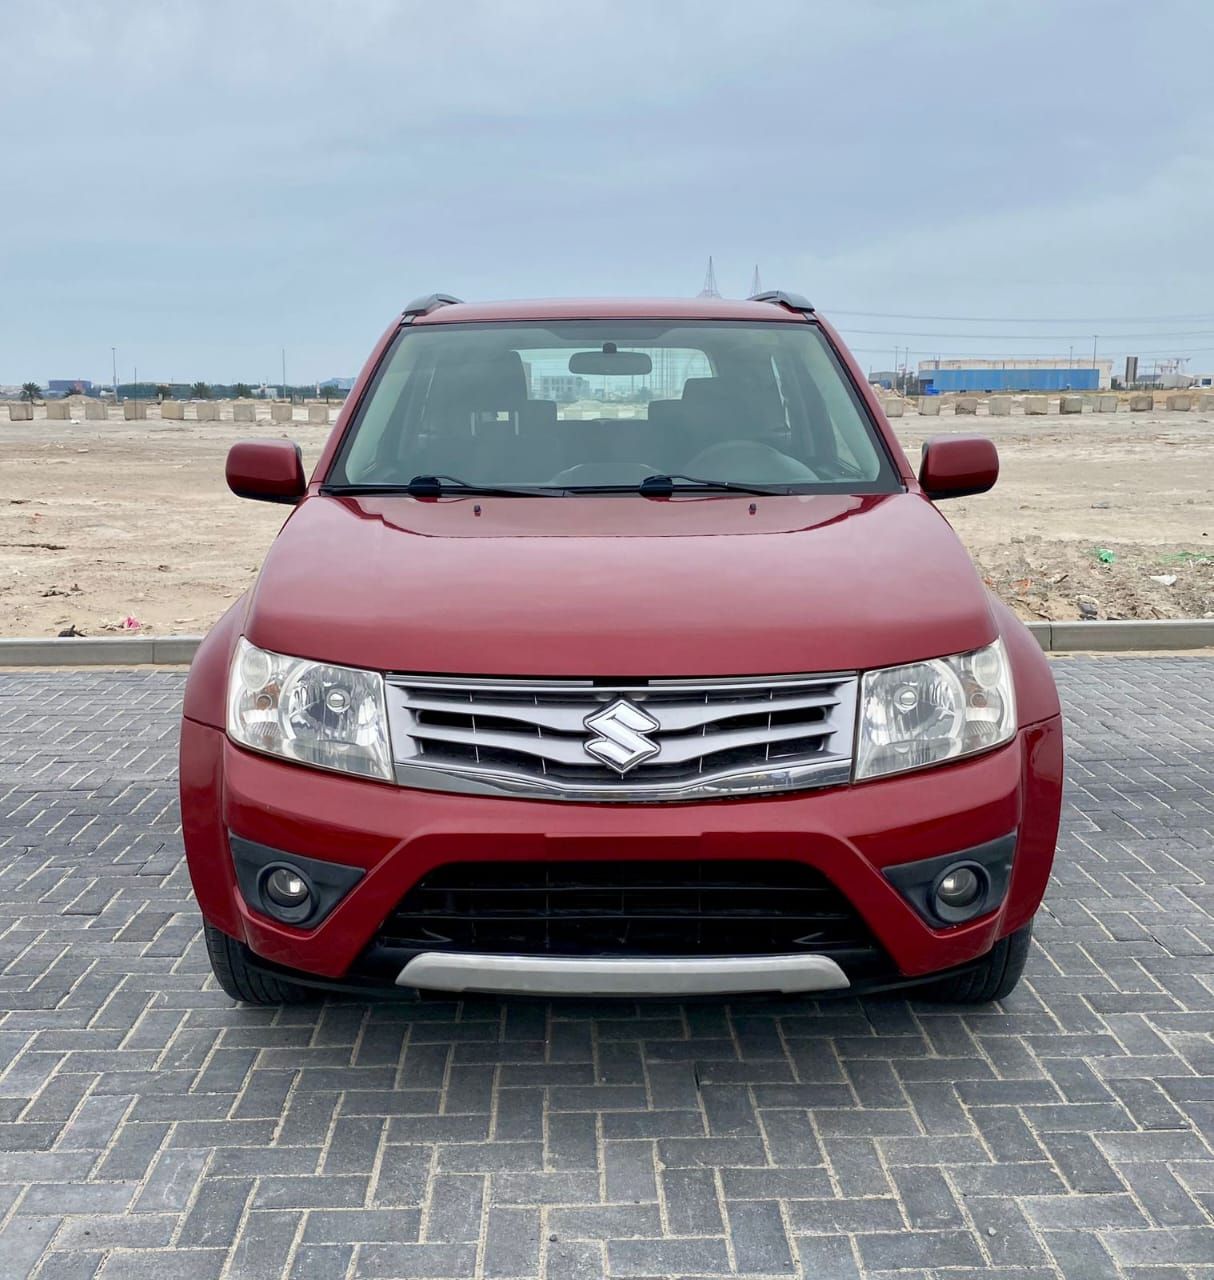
<point>286,894</point>
<point>960,892</point>
<point>959,888</point>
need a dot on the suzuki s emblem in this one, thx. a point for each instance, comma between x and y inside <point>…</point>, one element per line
<point>620,740</point>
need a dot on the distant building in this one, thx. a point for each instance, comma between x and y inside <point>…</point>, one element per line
<point>339,384</point>
<point>1013,374</point>
<point>564,388</point>
<point>70,386</point>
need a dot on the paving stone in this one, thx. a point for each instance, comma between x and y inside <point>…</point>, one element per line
<point>150,1129</point>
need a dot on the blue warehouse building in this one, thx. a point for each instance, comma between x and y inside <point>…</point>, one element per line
<point>938,376</point>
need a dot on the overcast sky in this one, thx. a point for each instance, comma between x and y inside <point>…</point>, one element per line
<point>202,183</point>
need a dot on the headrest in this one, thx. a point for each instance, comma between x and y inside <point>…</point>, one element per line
<point>494,382</point>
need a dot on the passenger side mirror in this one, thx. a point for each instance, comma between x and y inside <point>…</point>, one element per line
<point>956,466</point>
<point>268,470</point>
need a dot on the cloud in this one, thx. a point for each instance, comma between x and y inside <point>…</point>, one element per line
<point>203,180</point>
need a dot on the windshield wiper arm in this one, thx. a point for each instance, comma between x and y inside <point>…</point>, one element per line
<point>435,486</point>
<point>660,485</point>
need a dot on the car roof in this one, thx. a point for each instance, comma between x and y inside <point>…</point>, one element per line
<point>609,309</point>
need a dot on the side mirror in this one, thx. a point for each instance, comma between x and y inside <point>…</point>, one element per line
<point>956,466</point>
<point>269,470</point>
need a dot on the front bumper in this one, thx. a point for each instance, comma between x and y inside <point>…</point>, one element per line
<point>397,835</point>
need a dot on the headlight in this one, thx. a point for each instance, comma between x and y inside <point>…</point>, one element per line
<point>928,712</point>
<point>311,712</point>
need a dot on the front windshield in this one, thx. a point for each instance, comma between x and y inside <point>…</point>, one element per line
<point>602,405</point>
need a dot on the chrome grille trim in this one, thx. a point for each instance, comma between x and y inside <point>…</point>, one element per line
<point>718,738</point>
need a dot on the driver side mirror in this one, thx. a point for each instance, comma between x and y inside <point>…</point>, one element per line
<point>957,466</point>
<point>268,470</point>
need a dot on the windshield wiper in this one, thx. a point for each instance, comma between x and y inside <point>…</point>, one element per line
<point>660,486</point>
<point>436,486</point>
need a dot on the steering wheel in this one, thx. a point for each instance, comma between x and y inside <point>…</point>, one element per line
<point>750,461</point>
<point>596,473</point>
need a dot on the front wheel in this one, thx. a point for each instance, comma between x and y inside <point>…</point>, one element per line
<point>241,981</point>
<point>992,978</point>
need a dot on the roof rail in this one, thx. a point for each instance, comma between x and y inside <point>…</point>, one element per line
<point>782,298</point>
<point>428,302</point>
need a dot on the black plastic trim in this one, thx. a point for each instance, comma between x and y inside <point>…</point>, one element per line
<point>329,881</point>
<point>782,298</point>
<point>917,881</point>
<point>430,302</point>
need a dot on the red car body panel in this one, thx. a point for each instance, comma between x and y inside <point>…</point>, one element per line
<point>848,833</point>
<point>549,588</point>
<point>543,587</point>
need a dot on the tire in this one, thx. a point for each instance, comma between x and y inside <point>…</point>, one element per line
<point>241,981</point>
<point>992,978</point>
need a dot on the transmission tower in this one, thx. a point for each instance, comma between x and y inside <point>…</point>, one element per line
<point>756,285</point>
<point>710,289</point>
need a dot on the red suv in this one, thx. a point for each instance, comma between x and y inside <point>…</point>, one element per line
<point>614,647</point>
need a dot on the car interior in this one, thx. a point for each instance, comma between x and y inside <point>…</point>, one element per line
<point>469,414</point>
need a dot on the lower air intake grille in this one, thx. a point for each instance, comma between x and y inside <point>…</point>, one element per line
<point>685,908</point>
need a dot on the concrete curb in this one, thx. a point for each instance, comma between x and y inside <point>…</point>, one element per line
<point>1143,636</point>
<point>100,651</point>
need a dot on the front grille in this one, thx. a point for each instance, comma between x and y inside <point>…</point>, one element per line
<point>689,739</point>
<point>679,908</point>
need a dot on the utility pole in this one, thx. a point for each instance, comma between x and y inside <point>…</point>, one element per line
<point>114,357</point>
<point>1094,337</point>
<point>284,374</point>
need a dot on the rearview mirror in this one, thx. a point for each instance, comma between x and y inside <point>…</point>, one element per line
<point>268,470</point>
<point>956,466</point>
<point>611,361</point>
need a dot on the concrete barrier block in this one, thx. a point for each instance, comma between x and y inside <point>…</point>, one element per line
<point>1106,404</point>
<point>966,404</point>
<point>134,410</point>
<point>318,413</point>
<point>172,410</point>
<point>282,411</point>
<point>20,411</point>
<point>58,410</point>
<point>929,406</point>
<point>1205,402</point>
<point>1179,402</point>
<point>1143,402</point>
<point>244,412</point>
<point>96,410</point>
<point>893,407</point>
<point>1070,404</point>
<point>206,411</point>
<point>1036,404</point>
<point>999,406</point>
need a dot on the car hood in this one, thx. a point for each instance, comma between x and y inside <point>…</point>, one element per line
<point>618,586</point>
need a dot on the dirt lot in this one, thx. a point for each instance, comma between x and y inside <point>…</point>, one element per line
<point>105,522</point>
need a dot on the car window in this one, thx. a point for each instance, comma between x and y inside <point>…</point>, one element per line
<point>569,406</point>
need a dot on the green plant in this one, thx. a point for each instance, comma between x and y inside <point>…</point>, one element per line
<point>30,391</point>
<point>163,392</point>
<point>200,391</point>
<point>242,391</point>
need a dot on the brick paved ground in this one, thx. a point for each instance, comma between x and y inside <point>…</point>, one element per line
<point>148,1128</point>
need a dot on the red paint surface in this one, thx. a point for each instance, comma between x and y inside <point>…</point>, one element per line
<point>268,469</point>
<point>618,586</point>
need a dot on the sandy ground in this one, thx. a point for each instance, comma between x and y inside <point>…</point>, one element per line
<point>101,522</point>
